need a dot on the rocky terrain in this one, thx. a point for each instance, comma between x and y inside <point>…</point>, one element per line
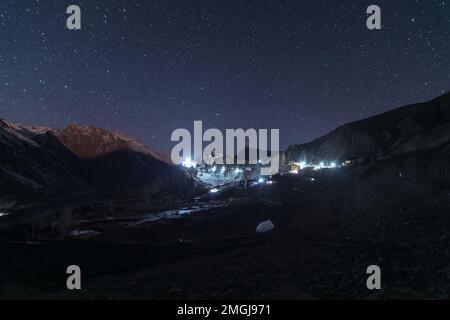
<point>326,234</point>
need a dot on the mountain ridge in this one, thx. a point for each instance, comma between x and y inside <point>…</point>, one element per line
<point>405,129</point>
<point>41,161</point>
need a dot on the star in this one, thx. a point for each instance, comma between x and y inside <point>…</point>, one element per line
<point>148,68</point>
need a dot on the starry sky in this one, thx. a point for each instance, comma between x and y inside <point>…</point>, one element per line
<point>148,67</point>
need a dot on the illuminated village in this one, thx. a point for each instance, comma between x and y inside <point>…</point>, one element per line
<point>217,177</point>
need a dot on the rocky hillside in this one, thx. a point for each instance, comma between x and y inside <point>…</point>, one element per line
<point>41,162</point>
<point>407,129</point>
<point>89,142</point>
<point>34,161</point>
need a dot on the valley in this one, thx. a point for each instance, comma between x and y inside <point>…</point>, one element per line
<point>167,235</point>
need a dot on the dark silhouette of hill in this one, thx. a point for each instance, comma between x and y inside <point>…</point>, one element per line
<point>410,128</point>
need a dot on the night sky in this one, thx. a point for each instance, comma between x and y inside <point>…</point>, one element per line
<point>149,67</point>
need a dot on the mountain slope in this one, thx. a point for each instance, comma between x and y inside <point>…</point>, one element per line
<point>406,129</point>
<point>41,162</point>
<point>35,163</point>
<point>89,142</point>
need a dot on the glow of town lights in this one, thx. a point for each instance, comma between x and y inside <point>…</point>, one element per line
<point>187,162</point>
<point>214,190</point>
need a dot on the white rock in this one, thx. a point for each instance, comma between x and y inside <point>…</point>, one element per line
<point>265,226</point>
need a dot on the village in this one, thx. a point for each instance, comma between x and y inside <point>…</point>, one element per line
<point>223,177</point>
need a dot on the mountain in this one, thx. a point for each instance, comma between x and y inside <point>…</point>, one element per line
<point>34,161</point>
<point>40,162</point>
<point>410,128</point>
<point>115,161</point>
<point>90,142</point>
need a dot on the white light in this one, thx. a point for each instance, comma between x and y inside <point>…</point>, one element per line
<point>302,164</point>
<point>222,170</point>
<point>2,214</point>
<point>312,179</point>
<point>237,170</point>
<point>214,190</point>
<point>260,180</point>
<point>295,171</point>
<point>333,164</point>
<point>322,164</point>
<point>187,162</point>
<point>214,169</point>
